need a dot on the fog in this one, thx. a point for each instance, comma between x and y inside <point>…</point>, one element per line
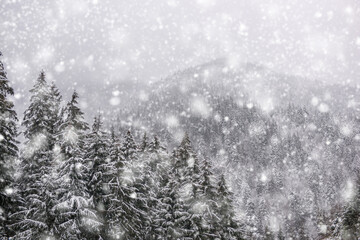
<point>260,94</point>
<point>94,42</point>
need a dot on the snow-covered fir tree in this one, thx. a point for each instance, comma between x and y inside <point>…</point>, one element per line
<point>155,145</point>
<point>351,216</point>
<point>57,111</point>
<point>100,173</point>
<point>74,209</point>
<point>197,203</point>
<point>144,143</point>
<point>118,192</point>
<point>230,228</point>
<point>123,215</point>
<point>76,184</point>
<point>8,148</point>
<point>145,186</point>
<point>41,116</point>
<point>184,160</point>
<point>211,222</point>
<point>35,217</point>
<point>156,164</point>
<point>176,219</point>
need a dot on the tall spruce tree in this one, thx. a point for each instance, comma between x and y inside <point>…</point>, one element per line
<point>197,202</point>
<point>170,212</point>
<point>184,161</point>
<point>38,118</point>
<point>154,168</point>
<point>144,143</point>
<point>123,215</point>
<point>74,206</point>
<point>211,219</point>
<point>172,219</point>
<point>115,153</point>
<point>35,217</point>
<point>155,145</point>
<point>144,185</point>
<point>56,118</point>
<point>351,216</point>
<point>8,148</point>
<point>113,230</point>
<point>100,171</point>
<point>230,228</point>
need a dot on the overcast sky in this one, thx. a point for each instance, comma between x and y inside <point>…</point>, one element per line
<point>94,42</point>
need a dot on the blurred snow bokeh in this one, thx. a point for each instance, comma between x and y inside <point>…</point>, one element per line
<point>92,43</point>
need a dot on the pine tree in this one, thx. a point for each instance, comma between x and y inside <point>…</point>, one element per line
<point>155,170</point>
<point>209,195</point>
<point>351,216</point>
<point>100,170</point>
<point>165,212</point>
<point>74,117</point>
<point>74,207</point>
<point>145,185</point>
<point>114,229</point>
<point>160,211</point>
<point>57,114</point>
<point>170,216</point>
<point>144,143</point>
<point>123,215</point>
<point>177,223</point>
<point>116,154</point>
<point>268,234</point>
<point>159,159</point>
<point>38,118</point>
<point>162,214</point>
<point>184,162</point>
<point>295,225</point>
<point>230,228</point>
<point>8,147</point>
<point>198,203</point>
<point>252,220</point>
<point>280,235</point>
<point>155,145</point>
<point>129,147</point>
<point>35,217</point>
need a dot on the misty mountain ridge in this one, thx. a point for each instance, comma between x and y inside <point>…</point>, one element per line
<point>290,159</point>
<point>248,85</point>
<point>252,123</point>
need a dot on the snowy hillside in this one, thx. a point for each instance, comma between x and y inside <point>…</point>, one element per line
<point>280,140</point>
<point>180,119</point>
